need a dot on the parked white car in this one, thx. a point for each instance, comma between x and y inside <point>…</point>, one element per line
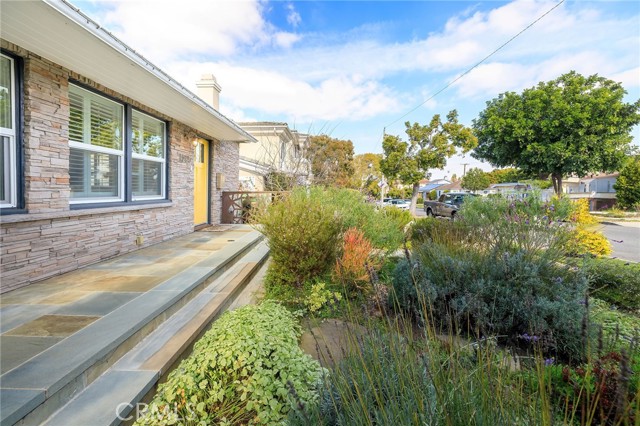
<point>400,204</point>
<point>385,202</point>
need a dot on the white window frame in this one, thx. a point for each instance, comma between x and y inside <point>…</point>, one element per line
<point>162,161</point>
<point>10,156</point>
<point>87,96</point>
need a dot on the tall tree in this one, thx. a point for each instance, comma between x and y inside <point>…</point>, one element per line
<point>627,185</point>
<point>505,175</point>
<point>331,160</point>
<point>367,173</point>
<point>428,147</point>
<point>571,125</point>
<point>475,180</point>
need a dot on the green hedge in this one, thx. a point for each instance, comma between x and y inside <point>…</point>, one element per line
<point>242,371</point>
<point>615,281</point>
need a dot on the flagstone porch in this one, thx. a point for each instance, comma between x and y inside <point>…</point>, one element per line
<point>75,346</point>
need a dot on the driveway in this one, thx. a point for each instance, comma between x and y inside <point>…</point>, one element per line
<point>624,238</point>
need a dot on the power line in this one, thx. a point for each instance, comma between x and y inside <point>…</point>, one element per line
<point>477,64</point>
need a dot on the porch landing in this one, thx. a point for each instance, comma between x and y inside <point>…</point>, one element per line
<point>76,346</point>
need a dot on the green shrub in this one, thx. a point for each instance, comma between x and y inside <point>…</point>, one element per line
<point>399,218</point>
<point>619,328</point>
<point>303,234</point>
<point>501,271</point>
<point>410,288</point>
<point>507,294</point>
<point>240,372</point>
<point>385,231</point>
<point>615,281</point>
<point>419,202</point>
<point>428,230</point>
<point>531,226</point>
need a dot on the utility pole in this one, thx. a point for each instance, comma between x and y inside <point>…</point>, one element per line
<point>464,170</point>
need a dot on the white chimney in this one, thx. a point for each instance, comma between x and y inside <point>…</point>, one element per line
<point>209,90</point>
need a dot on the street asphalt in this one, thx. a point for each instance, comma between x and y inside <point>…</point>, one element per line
<point>624,238</point>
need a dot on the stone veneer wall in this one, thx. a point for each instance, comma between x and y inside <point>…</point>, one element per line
<point>51,238</point>
<point>226,160</point>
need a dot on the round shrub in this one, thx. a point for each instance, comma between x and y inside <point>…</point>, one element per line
<point>509,295</point>
<point>242,371</point>
<point>303,235</point>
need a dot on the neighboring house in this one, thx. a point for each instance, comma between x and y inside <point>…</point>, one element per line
<point>518,189</point>
<point>597,188</point>
<point>426,186</point>
<point>450,187</point>
<point>280,150</point>
<point>102,152</point>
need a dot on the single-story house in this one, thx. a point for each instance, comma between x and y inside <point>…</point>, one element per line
<point>597,188</point>
<point>102,152</point>
<point>427,186</point>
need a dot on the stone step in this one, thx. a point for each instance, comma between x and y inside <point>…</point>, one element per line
<point>33,391</point>
<point>114,397</point>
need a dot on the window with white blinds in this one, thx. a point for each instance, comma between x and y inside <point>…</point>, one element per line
<point>8,144</point>
<point>96,147</point>
<point>100,149</point>
<point>148,162</point>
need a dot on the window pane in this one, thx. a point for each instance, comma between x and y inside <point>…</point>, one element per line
<point>6,91</point>
<point>94,120</point>
<point>146,178</point>
<point>106,124</point>
<point>148,135</point>
<point>76,117</point>
<point>93,174</point>
<point>4,163</point>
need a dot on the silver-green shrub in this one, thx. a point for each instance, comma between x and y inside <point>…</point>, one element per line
<point>242,371</point>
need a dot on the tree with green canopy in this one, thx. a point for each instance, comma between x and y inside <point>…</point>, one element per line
<point>331,161</point>
<point>428,147</point>
<point>505,175</point>
<point>475,180</point>
<point>570,125</point>
<point>627,185</point>
<point>367,174</point>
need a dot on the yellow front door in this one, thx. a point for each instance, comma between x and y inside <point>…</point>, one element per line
<point>201,182</point>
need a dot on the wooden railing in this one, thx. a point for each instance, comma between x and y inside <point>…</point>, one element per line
<point>237,206</point>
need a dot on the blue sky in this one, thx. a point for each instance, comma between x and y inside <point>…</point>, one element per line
<point>352,68</point>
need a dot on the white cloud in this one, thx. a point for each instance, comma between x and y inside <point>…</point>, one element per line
<point>568,35</point>
<point>338,98</point>
<point>312,78</point>
<point>629,78</point>
<point>293,17</point>
<point>166,29</point>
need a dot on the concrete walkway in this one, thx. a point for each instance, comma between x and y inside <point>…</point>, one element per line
<point>55,332</point>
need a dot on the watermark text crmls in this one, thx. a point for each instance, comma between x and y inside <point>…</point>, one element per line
<point>127,411</point>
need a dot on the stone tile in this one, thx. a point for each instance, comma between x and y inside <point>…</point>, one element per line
<point>106,399</point>
<point>28,295</point>
<point>64,297</point>
<point>77,277</point>
<point>14,350</point>
<point>206,246</point>
<point>16,403</point>
<point>12,316</point>
<point>54,368</point>
<point>97,303</point>
<point>53,325</point>
<point>124,283</point>
<point>186,279</point>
